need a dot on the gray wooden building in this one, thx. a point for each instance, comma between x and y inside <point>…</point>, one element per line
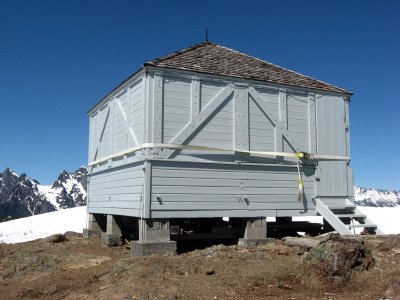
<point>208,132</point>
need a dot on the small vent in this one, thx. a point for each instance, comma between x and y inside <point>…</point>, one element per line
<point>174,230</point>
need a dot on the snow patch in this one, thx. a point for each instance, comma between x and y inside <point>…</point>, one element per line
<point>387,218</point>
<point>43,225</point>
<point>74,219</point>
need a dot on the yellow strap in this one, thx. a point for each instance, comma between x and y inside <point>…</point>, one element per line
<point>301,186</point>
<point>302,155</point>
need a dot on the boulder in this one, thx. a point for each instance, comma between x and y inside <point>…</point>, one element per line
<point>336,257</point>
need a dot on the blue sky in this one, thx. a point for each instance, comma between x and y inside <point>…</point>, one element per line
<point>58,58</point>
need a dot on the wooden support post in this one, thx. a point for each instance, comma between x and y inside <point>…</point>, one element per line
<point>112,226</point>
<point>95,226</point>
<point>113,235</point>
<point>146,196</point>
<point>312,123</point>
<point>128,116</point>
<point>241,120</point>
<point>158,108</point>
<point>256,228</point>
<point>153,230</point>
<point>245,122</point>
<point>90,155</point>
<point>195,97</point>
<point>283,120</point>
<point>154,238</point>
<point>254,233</point>
<point>237,122</point>
<point>349,173</point>
<point>158,111</point>
<point>145,103</point>
<point>148,112</point>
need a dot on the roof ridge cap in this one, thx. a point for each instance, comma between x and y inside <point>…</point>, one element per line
<point>269,63</point>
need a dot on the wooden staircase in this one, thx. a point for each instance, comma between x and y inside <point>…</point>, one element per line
<point>340,214</point>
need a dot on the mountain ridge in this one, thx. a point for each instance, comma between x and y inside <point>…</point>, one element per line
<point>22,196</point>
<point>376,197</point>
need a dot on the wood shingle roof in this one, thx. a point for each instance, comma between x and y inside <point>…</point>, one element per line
<point>211,58</point>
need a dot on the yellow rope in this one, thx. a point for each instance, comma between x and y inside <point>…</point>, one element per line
<point>302,155</point>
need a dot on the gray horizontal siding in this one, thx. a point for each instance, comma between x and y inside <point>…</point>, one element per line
<point>219,130</point>
<point>118,189</point>
<point>270,98</point>
<point>180,188</point>
<point>208,90</point>
<point>298,120</point>
<point>330,125</point>
<point>105,147</point>
<point>111,135</point>
<point>215,135</point>
<point>114,211</point>
<point>94,134</point>
<point>136,112</point>
<point>331,141</point>
<point>177,106</point>
<point>261,130</point>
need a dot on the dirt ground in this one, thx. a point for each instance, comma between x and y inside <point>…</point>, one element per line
<point>78,268</point>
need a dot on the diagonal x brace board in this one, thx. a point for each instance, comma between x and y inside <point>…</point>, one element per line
<point>128,129</point>
<point>200,119</point>
<point>103,127</point>
<point>280,127</point>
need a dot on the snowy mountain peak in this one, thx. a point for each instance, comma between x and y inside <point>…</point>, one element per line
<point>376,197</point>
<point>27,181</point>
<point>8,173</point>
<point>22,196</point>
<point>81,170</point>
<point>69,190</point>
<point>62,177</point>
<point>7,177</point>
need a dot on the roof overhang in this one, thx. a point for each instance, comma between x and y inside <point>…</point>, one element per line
<point>139,73</point>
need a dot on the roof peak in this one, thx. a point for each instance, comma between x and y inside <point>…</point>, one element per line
<point>211,58</point>
<point>178,52</point>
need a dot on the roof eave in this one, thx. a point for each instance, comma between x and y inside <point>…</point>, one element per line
<point>342,92</point>
<point>138,73</point>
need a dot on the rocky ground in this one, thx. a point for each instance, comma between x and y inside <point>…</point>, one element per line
<point>70,267</point>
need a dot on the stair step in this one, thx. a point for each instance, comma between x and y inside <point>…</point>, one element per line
<point>362,226</point>
<point>350,216</point>
<point>339,211</point>
<point>338,206</point>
